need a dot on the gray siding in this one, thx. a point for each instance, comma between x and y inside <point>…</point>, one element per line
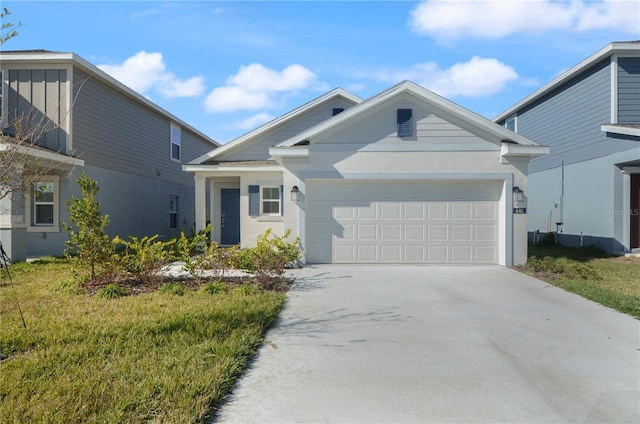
<point>568,120</point>
<point>430,126</point>
<point>629,90</point>
<point>112,131</point>
<point>258,149</point>
<point>37,97</point>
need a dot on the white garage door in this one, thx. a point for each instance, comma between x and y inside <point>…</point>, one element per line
<point>402,221</point>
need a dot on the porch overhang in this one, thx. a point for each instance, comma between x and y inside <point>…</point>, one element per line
<point>632,130</point>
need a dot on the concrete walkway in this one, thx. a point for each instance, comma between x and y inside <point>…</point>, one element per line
<point>421,344</point>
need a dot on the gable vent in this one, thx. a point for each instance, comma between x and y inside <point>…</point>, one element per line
<point>405,122</point>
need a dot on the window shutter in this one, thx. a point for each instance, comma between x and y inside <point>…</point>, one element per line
<point>254,200</point>
<point>282,200</point>
<point>405,123</point>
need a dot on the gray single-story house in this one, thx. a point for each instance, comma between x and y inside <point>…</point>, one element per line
<point>403,177</point>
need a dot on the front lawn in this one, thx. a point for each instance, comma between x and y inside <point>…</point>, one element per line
<point>165,357</point>
<point>610,281</point>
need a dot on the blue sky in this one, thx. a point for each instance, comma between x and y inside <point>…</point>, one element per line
<point>228,67</point>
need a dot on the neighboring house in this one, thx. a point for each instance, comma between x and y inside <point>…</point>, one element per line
<point>403,177</point>
<point>587,189</point>
<point>130,146</point>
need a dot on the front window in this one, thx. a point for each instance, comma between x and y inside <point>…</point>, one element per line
<point>176,137</point>
<point>173,211</point>
<point>270,201</point>
<point>43,203</point>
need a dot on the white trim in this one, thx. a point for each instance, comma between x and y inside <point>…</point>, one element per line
<point>614,89</point>
<point>46,155</point>
<point>278,200</point>
<point>624,48</point>
<point>620,129</point>
<point>289,152</point>
<point>512,150</point>
<point>215,170</point>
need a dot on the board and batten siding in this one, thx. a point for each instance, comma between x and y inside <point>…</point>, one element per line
<point>259,149</point>
<point>629,90</point>
<point>113,131</point>
<point>38,98</point>
<point>568,119</point>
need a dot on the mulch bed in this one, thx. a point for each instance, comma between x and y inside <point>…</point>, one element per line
<point>149,285</point>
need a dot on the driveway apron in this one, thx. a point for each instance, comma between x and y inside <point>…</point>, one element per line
<point>421,344</point>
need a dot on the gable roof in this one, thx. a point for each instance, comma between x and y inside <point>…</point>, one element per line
<point>252,135</point>
<point>618,47</point>
<point>45,56</point>
<point>490,128</point>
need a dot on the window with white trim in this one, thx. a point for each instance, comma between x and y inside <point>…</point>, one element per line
<point>511,123</point>
<point>174,202</point>
<point>43,205</point>
<point>176,141</point>
<point>270,200</point>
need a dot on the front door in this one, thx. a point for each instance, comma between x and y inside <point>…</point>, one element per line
<point>230,216</point>
<point>635,211</point>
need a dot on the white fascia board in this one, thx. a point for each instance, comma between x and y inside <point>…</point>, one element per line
<point>232,169</point>
<point>618,129</point>
<point>289,152</point>
<point>421,93</point>
<point>513,150</point>
<point>237,142</point>
<point>45,155</point>
<point>74,59</point>
<point>610,49</point>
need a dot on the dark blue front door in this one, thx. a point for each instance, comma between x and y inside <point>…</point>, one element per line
<point>230,216</point>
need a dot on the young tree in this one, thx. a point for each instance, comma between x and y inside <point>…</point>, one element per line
<point>88,243</point>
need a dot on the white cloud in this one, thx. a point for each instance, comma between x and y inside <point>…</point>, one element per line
<point>452,20</point>
<point>226,99</point>
<point>477,77</point>
<point>257,87</point>
<point>253,121</point>
<point>144,72</point>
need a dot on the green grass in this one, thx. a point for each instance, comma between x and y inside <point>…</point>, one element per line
<point>145,358</point>
<point>588,272</point>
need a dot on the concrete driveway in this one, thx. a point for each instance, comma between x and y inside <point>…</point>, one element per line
<point>393,344</point>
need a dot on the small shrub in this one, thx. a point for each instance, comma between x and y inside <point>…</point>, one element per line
<point>112,291</point>
<point>214,287</point>
<point>215,258</point>
<point>182,248</point>
<point>143,257</point>
<point>269,258</point>
<point>172,288</point>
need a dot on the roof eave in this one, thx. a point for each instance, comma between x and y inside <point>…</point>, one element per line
<point>609,50</point>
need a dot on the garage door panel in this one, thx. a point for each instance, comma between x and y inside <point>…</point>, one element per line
<point>460,232</point>
<point>402,222</point>
<point>367,253</point>
<point>460,210</point>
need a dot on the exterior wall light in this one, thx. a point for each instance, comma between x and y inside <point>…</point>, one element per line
<point>518,194</point>
<point>295,194</point>
<point>518,201</point>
